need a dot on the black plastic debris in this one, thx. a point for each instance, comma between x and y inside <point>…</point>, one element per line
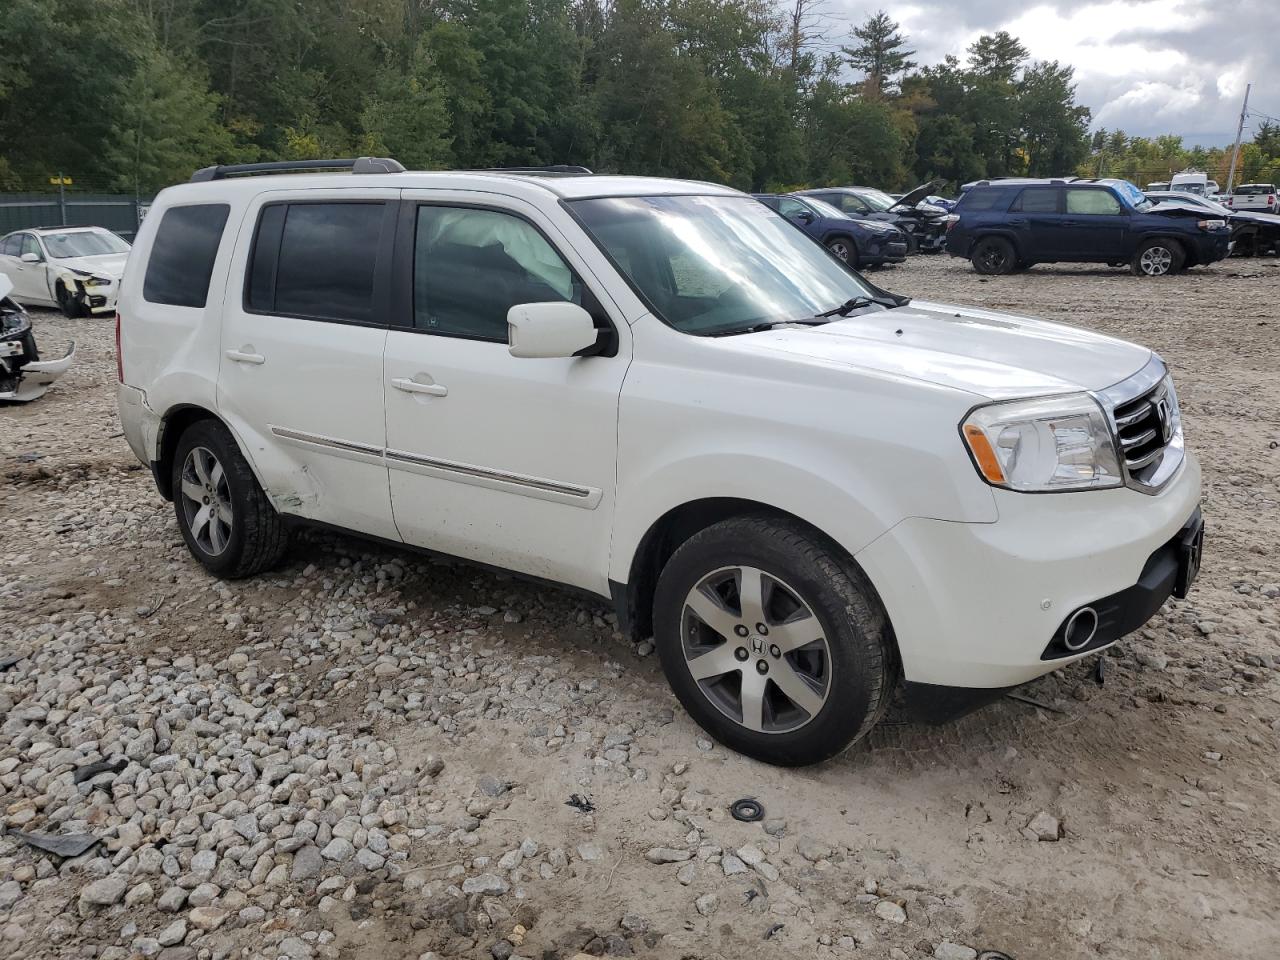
<point>773,929</point>
<point>993,955</point>
<point>748,810</point>
<point>60,845</point>
<point>91,770</point>
<point>580,803</point>
<point>7,660</point>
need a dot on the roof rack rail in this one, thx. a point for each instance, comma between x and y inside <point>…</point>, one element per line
<point>354,164</point>
<point>551,169</point>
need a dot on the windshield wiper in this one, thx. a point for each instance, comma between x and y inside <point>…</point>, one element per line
<point>847,307</point>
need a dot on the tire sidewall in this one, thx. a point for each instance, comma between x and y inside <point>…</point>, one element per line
<point>986,242</point>
<point>852,259</point>
<point>215,438</point>
<point>853,685</point>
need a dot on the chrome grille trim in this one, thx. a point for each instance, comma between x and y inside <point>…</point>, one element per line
<point>1135,406</point>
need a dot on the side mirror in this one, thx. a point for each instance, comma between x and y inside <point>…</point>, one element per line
<point>30,258</point>
<point>805,217</point>
<point>558,329</point>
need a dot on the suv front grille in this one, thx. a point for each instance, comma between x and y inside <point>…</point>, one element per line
<point>1144,411</point>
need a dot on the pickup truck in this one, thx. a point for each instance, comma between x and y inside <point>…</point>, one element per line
<point>1262,197</point>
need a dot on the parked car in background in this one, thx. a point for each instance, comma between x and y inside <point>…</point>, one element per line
<point>925,226</point>
<point>23,375</point>
<point>803,487</point>
<point>1263,197</point>
<point>1007,225</point>
<point>1194,181</point>
<point>76,269</point>
<point>858,242</point>
<point>1158,185</point>
<point>943,203</point>
<point>1252,232</point>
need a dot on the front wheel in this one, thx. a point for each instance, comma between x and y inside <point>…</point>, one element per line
<point>773,640</point>
<point>844,249</point>
<point>1157,258</point>
<point>227,521</point>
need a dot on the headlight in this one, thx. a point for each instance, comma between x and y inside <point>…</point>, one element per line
<point>1056,443</point>
<point>1211,224</point>
<point>98,282</point>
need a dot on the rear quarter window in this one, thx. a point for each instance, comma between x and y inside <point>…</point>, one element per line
<point>980,200</point>
<point>182,255</point>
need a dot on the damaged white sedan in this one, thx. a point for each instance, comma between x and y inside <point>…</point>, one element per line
<point>23,375</point>
<point>76,269</point>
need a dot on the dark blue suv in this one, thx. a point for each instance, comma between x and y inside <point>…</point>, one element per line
<point>1011,224</point>
<point>858,242</point>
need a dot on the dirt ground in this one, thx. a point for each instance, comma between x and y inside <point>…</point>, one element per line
<point>1163,777</point>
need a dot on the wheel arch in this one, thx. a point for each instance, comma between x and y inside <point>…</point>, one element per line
<point>989,233</point>
<point>1189,255</point>
<point>633,600</point>
<point>175,422</point>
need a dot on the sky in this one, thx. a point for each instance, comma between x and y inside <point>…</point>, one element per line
<point>1148,67</point>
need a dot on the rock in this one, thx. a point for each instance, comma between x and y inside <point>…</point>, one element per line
<point>1044,826</point>
<point>295,948</point>
<point>10,893</point>
<point>502,950</point>
<point>667,855</point>
<point>338,850</point>
<point>893,912</point>
<point>590,852</point>
<point>775,827</point>
<point>813,850</point>
<point>172,900</point>
<point>1151,659</point>
<point>307,864</point>
<point>492,786</point>
<point>142,893</point>
<point>105,892</point>
<point>485,883</point>
<point>947,950</point>
<point>732,865</point>
<point>173,933</point>
<point>706,904</point>
<point>687,874</point>
<point>207,918</point>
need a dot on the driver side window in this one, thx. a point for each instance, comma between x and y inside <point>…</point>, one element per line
<point>791,208</point>
<point>30,245</point>
<point>471,265</point>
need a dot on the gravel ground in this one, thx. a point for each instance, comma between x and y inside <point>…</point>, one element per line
<point>371,753</point>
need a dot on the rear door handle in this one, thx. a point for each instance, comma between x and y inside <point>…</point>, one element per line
<point>413,386</point>
<point>240,356</point>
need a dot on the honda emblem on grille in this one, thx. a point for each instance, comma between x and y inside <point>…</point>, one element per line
<point>1164,413</point>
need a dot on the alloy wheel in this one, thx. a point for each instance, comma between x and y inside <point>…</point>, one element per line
<point>840,249</point>
<point>756,649</point>
<point>1156,261</point>
<point>206,501</point>
<point>993,258</point>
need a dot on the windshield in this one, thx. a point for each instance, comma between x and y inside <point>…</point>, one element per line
<point>715,265</point>
<point>83,243</point>
<point>877,199</point>
<point>1130,194</point>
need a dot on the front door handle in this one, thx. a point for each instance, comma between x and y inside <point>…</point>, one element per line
<point>245,356</point>
<point>1017,221</point>
<point>413,386</point>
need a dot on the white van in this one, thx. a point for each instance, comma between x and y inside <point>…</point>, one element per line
<point>1194,181</point>
<point>805,488</point>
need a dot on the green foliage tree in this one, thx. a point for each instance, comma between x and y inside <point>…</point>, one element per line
<point>880,53</point>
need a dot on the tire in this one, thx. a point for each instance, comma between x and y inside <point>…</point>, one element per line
<point>844,249</point>
<point>71,308</point>
<point>814,701</point>
<point>993,256</point>
<point>1157,258</point>
<point>246,535</point>
<point>913,244</point>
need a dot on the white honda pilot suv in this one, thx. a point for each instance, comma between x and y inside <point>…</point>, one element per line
<point>805,488</point>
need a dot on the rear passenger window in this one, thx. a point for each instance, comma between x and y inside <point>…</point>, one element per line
<point>979,201</point>
<point>1037,200</point>
<point>471,266</point>
<point>316,260</point>
<point>182,255</point>
<point>1095,202</point>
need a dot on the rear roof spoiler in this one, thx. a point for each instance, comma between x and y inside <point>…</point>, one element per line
<point>353,164</point>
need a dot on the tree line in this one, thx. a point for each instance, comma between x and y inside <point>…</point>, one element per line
<point>131,95</point>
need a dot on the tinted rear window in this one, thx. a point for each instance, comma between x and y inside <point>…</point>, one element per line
<point>1037,200</point>
<point>182,255</point>
<point>978,199</point>
<point>316,260</point>
<point>1254,190</point>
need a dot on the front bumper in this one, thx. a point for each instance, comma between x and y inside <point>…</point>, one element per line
<point>887,251</point>
<point>977,605</point>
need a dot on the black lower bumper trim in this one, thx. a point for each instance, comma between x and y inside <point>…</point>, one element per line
<point>935,704</point>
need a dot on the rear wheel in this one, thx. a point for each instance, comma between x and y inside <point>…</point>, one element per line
<point>1157,258</point>
<point>844,248</point>
<point>773,640</point>
<point>227,521</point>
<point>993,255</point>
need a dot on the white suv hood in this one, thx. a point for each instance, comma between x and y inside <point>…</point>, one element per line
<point>107,265</point>
<point>994,355</point>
